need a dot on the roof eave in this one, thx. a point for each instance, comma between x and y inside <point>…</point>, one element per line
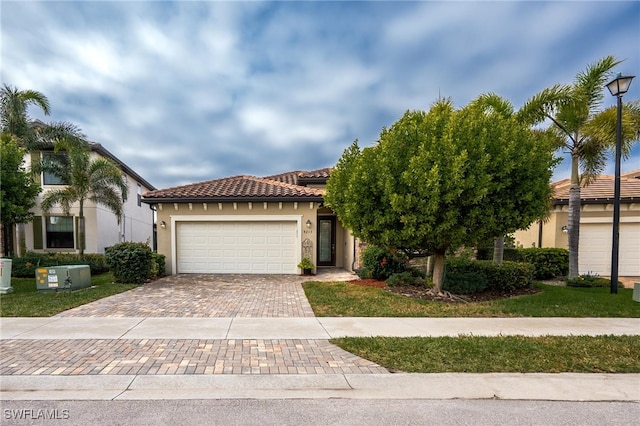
<point>311,198</point>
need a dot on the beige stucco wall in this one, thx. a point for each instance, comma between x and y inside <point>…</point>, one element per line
<point>101,225</point>
<point>552,235</point>
<point>172,213</point>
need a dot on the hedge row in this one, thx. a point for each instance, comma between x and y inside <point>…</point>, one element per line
<point>466,276</point>
<point>25,266</point>
<point>548,262</point>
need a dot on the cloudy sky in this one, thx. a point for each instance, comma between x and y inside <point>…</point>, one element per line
<point>196,90</point>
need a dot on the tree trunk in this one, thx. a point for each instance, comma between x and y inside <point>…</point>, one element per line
<point>438,270</point>
<point>22,240</point>
<point>81,230</point>
<point>7,239</point>
<point>574,218</point>
<point>498,250</point>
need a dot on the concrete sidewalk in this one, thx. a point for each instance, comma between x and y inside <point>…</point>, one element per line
<point>303,340</point>
<point>508,386</point>
<point>304,328</point>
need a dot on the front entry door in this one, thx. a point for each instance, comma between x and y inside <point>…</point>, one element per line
<point>327,241</point>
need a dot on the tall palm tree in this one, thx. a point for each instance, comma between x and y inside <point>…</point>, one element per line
<point>13,110</point>
<point>99,180</point>
<point>15,122</point>
<point>587,133</point>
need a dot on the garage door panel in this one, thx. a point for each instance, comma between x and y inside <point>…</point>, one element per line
<point>236,247</point>
<point>596,246</point>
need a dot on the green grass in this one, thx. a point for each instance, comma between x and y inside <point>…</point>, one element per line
<point>474,354</point>
<point>340,299</point>
<point>27,301</point>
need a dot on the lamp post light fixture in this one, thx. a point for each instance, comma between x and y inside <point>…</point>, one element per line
<point>618,87</point>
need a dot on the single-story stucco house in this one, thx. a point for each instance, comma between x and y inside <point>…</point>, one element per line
<point>596,225</point>
<point>250,225</point>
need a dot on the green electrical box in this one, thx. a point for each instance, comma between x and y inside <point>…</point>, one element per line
<point>65,277</point>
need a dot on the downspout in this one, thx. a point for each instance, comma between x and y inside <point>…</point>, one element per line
<point>353,262</point>
<point>540,234</point>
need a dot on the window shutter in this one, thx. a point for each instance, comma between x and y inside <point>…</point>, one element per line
<point>35,160</point>
<point>77,233</point>
<point>37,233</point>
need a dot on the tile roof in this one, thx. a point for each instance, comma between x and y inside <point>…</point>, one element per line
<point>316,174</point>
<point>602,189</point>
<point>237,188</point>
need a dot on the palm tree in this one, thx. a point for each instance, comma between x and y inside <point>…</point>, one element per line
<point>13,106</point>
<point>98,180</point>
<point>587,134</point>
<point>15,122</point>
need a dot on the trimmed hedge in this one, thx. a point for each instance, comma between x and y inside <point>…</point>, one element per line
<point>25,266</point>
<point>380,263</point>
<point>158,265</point>
<point>130,262</point>
<point>591,281</point>
<point>506,277</point>
<point>548,262</point>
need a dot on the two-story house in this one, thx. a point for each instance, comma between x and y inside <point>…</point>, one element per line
<point>55,231</point>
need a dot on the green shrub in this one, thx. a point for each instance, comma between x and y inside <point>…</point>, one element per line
<point>130,262</point>
<point>463,277</point>
<point>158,265</point>
<point>25,266</point>
<point>509,254</point>
<point>380,263</point>
<point>589,280</point>
<point>506,277</point>
<point>406,278</point>
<point>548,262</point>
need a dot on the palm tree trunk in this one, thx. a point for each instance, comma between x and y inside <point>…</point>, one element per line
<point>498,250</point>
<point>81,230</point>
<point>574,218</point>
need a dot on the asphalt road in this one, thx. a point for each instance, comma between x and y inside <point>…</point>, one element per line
<point>319,412</point>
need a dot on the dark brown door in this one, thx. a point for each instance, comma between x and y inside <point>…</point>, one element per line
<point>327,241</point>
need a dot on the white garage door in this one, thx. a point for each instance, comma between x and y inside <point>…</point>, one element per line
<point>595,249</point>
<point>236,247</point>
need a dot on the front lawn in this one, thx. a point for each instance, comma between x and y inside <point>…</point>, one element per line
<point>513,354</point>
<point>27,301</point>
<point>342,299</point>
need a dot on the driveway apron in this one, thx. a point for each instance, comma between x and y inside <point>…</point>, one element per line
<point>190,296</point>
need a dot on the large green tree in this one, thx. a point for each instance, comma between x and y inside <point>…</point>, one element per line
<point>587,133</point>
<point>98,180</point>
<point>18,189</point>
<point>442,179</point>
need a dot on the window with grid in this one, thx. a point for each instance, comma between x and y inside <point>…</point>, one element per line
<point>60,232</point>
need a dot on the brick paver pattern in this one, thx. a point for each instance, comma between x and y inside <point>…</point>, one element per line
<point>179,356</point>
<point>195,296</point>
<point>205,296</point>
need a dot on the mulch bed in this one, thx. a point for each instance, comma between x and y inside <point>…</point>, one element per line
<point>423,293</point>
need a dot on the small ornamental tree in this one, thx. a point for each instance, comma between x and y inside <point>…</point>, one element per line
<point>442,179</point>
<point>18,189</point>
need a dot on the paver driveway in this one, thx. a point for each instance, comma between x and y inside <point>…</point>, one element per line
<point>196,296</point>
<point>203,296</point>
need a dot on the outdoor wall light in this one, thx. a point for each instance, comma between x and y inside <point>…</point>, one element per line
<point>163,224</point>
<point>565,229</point>
<point>308,223</point>
<point>618,87</point>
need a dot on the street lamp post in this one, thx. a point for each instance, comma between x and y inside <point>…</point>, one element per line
<point>617,87</point>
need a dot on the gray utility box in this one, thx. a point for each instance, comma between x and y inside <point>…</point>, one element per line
<point>5,276</point>
<point>64,277</point>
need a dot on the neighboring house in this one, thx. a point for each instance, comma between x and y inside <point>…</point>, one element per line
<point>250,225</point>
<point>54,231</point>
<point>596,225</point>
